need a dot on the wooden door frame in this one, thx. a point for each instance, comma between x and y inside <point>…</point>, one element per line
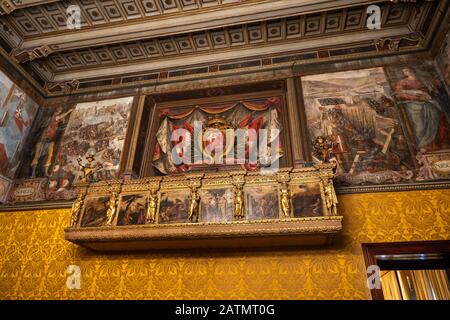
<point>372,250</point>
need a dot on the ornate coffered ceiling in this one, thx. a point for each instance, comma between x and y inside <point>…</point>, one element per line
<point>125,41</point>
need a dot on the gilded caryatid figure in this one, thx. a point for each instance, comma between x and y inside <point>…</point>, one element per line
<point>112,209</point>
<point>331,200</point>
<point>285,199</point>
<point>76,210</point>
<point>239,212</point>
<point>152,205</point>
<point>194,206</point>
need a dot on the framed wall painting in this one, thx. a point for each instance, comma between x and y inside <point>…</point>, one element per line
<point>261,202</point>
<point>216,204</point>
<point>94,212</point>
<point>132,209</point>
<point>307,199</point>
<point>173,206</point>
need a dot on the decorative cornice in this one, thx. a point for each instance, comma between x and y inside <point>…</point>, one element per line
<point>6,7</point>
<point>394,44</point>
<point>64,86</point>
<point>26,55</point>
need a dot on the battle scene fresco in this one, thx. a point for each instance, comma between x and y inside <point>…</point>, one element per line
<point>357,109</point>
<point>17,112</point>
<point>95,132</point>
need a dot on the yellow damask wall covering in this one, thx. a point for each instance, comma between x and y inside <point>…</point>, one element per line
<point>34,257</point>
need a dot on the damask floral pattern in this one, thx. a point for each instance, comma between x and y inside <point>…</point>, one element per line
<point>34,257</point>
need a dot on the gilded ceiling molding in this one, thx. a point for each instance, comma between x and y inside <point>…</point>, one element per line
<point>26,55</point>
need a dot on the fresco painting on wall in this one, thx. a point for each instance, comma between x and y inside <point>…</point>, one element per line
<point>357,109</point>
<point>17,112</point>
<point>423,97</point>
<point>444,59</point>
<point>425,100</point>
<point>216,205</point>
<point>132,210</point>
<point>262,202</point>
<point>43,141</point>
<point>173,207</point>
<point>96,128</point>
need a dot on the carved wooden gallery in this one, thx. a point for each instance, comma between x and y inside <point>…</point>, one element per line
<point>225,149</point>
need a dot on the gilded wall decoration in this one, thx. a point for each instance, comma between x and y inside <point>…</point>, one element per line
<point>95,128</point>
<point>17,112</point>
<point>34,257</point>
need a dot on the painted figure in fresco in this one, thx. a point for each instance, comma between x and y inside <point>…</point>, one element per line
<point>426,109</point>
<point>112,209</point>
<point>87,169</point>
<point>17,112</point>
<point>76,210</point>
<point>194,206</point>
<point>285,200</point>
<point>44,151</point>
<point>152,205</point>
